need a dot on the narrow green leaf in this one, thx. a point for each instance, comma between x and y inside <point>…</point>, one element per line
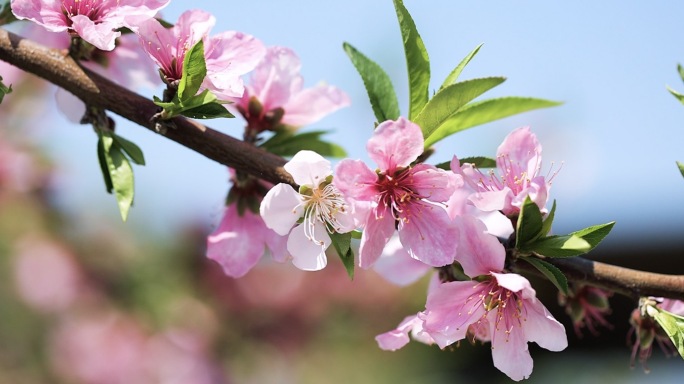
<point>479,161</point>
<point>4,89</point>
<point>548,220</point>
<point>286,143</point>
<point>680,69</point>
<point>560,246</point>
<point>194,71</point>
<point>485,111</point>
<point>131,149</point>
<point>681,167</point>
<point>676,94</point>
<point>103,164</point>
<point>673,325</point>
<point>121,174</point>
<point>529,225</point>
<point>417,61</point>
<point>594,234</point>
<point>378,85</point>
<point>551,272</point>
<point>342,244</point>
<point>453,76</point>
<point>211,110</point>
<point>450,99</point>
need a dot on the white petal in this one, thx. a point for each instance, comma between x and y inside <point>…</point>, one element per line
<point>281,208</point>
<point>308,168</point>
<point>307,254</point>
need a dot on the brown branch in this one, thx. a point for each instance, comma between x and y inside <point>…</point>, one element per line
<point>96,91</point>
<point>625,281</point>
<point>57,68</point>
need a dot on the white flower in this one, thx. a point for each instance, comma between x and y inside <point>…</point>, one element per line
<point>317,210</point>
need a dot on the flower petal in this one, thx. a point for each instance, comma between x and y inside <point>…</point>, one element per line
<point>428,234</point>
<point>395,144</point>
<point>520,151</point>
<point>397,266</point>
<point>281,208</point>
<point>397,338</point>
<point>229,55</point>
<point>355,180</point>
<point>379,228</point>
<point>449,311</point>
<point>479,253</point>
<point>541,328</point>
<point>102,35</point>
<point>312,104</point>
<point>238,242</point>
<point>308,254</point>
<point>510,353</point>
<point>434,184</point>
<point>308,168</point>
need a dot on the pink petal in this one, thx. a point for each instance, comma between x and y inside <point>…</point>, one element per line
<point>540,327</point>
<point>101,35</point>
<point>434,184</point>
<point>276,77</point>
<point>516,283</point>
<point>395,144</point>
<point>277,244</point>
<point>308,168</point>
<point>308,254</point>
<point>237,244</point>
<point>429,235</point>
<point>229,55</point>
<point>312,104</point>
<point>447,313</point>
<point>355,180</point>
<point>397,266</point>
<point>510,353</point>
<point>379,228</point>
<point>281,208</point>
<point>397,338</point>
<point>49,14</point>
<point>479,253</point>
<point>520,149</point>
<point>492,200</point>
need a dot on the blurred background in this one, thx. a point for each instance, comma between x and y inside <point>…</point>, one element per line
<point>85,298</point>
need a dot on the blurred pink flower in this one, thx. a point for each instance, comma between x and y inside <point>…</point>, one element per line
<point>46,275</point>
<point>587,306</point>
<point>398,338</point>
<point>95,21</point>
<point>318,204</point>
<point>241,238</point>
<point>275,94</point>
<point>228,55</point>
<point>397,266</point>
<point>408,198</point>
<point>646,331</point>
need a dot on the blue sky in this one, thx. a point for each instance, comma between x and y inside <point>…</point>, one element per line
<point>618,133</point>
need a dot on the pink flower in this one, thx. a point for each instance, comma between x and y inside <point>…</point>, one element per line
<point>228,55</point>
<point>587,306</point>
<point>408,198</point>
<point>318,204</point>
<point>242,237</point>
<point>275,94</point>
<point>519,162</point>
<point>398,338</point>
<point>500,307</point>
<point>95,21</point>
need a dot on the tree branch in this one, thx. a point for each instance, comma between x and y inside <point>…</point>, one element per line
<point>58,68</point>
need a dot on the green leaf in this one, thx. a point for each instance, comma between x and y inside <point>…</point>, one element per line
<point>103,164</point>
<point>342,244</point>
<point>378,85</point>
<point>680,69</point>
<point>211,110</point>
<point>594,234</point>
<point>194,71</point>
<point>453,76</point>
<point>560,246</point>
<point>450,99</point>
<point>681,167</point>
<point>132,150</point>
<point>551,272</point>
<point>121,174</point>
<point>548,220</point>
<point>4,89</point>
<point>285,143</point>
<point>673,325</point>
<point>485,111</point>
<point>676,94</point>
<point>529,225</point>
<point>479,161</point>
<point>417,61</point>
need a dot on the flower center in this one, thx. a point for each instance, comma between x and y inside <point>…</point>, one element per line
<point>88,8</point>
<point>501,303</point>
<point>397,192</point>
<point>323,205</point>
